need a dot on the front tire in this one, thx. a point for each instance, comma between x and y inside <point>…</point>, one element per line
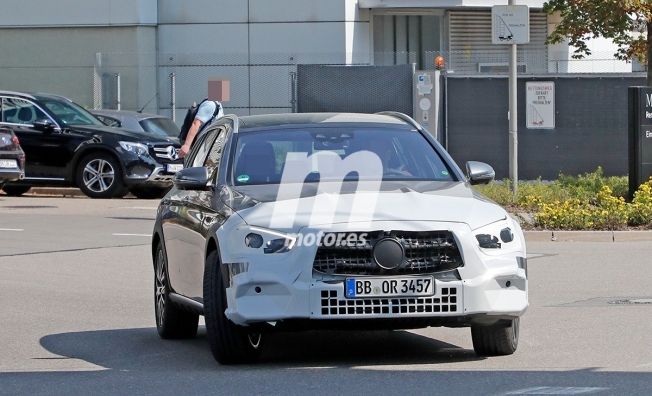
<point>496,340</point>
<point>15,190</point>
<point>99,175</point>
<point>172,322</point>
<point>230,343</point>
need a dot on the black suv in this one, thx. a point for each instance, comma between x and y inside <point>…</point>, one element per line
<point>65,145</point>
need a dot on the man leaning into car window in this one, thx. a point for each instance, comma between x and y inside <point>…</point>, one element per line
<point>204,117</point>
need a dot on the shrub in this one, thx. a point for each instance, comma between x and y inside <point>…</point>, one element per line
<point>606,212</point>
<point>571,214</point>
<point>610,212</point>
<point>499,192</point>
<point>588,201</point>
<point>640,210</point>
<point>588,185</point>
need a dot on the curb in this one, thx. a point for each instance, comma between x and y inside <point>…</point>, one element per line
<point>56,191</point>
<point>588,236</point>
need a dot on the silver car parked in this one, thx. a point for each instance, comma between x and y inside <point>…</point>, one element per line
<point>153,124</point>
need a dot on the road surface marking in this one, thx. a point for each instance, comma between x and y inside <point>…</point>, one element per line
<point>557,390</point>
<point>141,235</point>
<point>12,229</point>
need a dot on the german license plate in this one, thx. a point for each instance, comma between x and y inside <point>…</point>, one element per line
<point>413,286</point>
<point>174,168</point>
<point>8,164</point>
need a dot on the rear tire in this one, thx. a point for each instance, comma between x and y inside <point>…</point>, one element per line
<point>230,343</point>
<point>172,322</point>
<point>149,192</point>
<point>15,190</point>
<point>496,340</point>
<point>99,175</point>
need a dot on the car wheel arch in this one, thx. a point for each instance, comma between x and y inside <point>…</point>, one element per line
<point>156,240</point>
<point>212,246</point>
<point>82,153</point>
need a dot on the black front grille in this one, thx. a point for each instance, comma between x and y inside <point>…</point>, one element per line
<point>425,252</point>
<point>161,153</point>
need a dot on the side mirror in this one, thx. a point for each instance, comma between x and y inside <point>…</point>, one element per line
<point>479,173</point>
<point>192,179</point>
<point>44,125</point>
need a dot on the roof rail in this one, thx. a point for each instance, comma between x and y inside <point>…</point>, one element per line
<point>402,117</point>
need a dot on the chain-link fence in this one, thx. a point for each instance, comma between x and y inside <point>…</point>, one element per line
<point>260,83</point>
<point>267,83</point>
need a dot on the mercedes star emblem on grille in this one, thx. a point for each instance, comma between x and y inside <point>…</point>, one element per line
<point>168,152</point>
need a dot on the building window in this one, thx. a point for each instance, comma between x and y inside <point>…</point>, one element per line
<point>406,39</point>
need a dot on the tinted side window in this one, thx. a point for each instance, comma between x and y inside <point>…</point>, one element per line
<point>215,155</point>
<point>19,111</point>
<point>203,148</point>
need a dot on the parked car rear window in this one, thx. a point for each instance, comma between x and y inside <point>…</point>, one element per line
<point>404,154</point>
<point>163,127</point>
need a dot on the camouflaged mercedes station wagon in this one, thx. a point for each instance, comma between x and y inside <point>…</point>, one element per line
<point>348,221</point>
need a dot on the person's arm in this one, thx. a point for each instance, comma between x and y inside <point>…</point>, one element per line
<point>192,133</point>
<point>204,115</point>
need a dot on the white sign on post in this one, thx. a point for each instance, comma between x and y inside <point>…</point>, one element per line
<point>540,103</point>
<point>510,24</point>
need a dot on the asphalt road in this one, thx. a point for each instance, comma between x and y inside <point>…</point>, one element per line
<point>77,317</point>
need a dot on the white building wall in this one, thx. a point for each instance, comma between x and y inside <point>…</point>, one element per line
<point>62,60</point>
<point>29,13</point>
<point>202,11</point>
<point>256,44</point>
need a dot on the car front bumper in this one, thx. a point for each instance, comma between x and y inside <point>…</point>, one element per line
<point>145,170</point>
<point>280,287</point>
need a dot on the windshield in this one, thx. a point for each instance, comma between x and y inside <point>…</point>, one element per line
<point>163,127</point>
<point>70,113</point>
<point>327,153</point>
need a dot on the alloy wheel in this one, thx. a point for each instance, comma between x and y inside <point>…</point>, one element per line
<point>98,175</point>
<point>160,288</point>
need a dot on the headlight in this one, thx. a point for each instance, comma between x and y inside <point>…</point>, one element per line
<point>498,235</point>
<point>271,241</point>
<point>488,241</point>
<point>136,148</point>
<point>280,245</point>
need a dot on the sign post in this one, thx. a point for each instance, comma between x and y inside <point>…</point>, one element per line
<point>511,25</point>
<point>640,137</point>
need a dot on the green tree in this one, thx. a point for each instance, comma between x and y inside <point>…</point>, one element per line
<point>624,21</point>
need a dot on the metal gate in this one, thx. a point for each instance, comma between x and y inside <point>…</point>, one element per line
<point>355,89</point>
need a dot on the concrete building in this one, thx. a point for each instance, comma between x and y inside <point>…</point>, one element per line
<point>77,48</point>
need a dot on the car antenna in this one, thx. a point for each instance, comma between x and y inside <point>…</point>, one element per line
<point>147,104</point>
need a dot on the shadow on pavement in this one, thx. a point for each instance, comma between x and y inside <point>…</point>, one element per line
<point>136,361</point>
<point>136,349</point>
